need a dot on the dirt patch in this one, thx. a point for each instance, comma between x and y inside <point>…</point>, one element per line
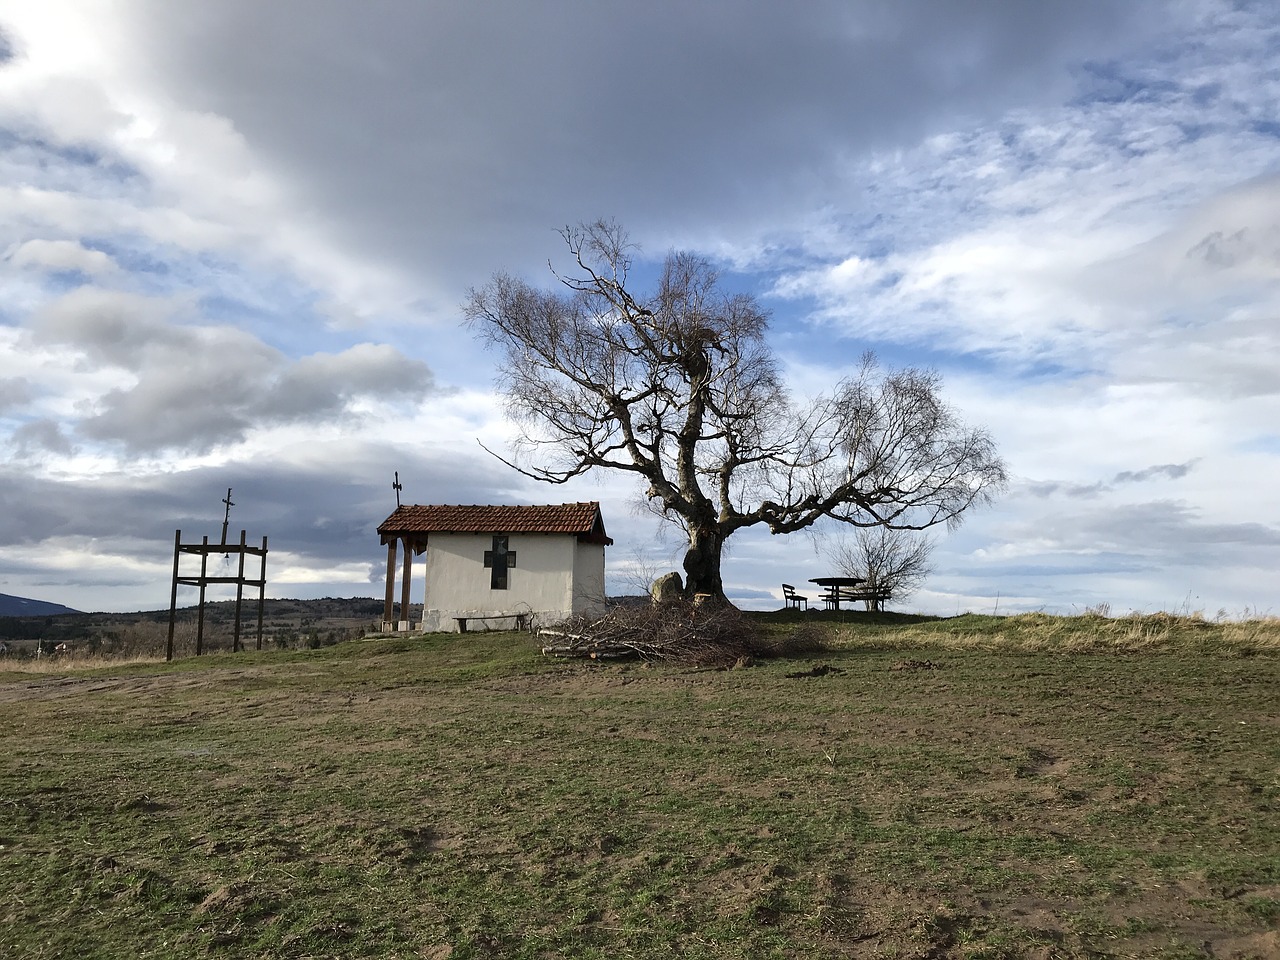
<point>821,670</point>
<point>1262,946</point>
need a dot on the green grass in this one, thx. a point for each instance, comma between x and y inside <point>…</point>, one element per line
<point>970,787</point>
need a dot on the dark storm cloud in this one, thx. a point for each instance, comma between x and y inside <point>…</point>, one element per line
<point>325,509</point>
<point>424,130</point>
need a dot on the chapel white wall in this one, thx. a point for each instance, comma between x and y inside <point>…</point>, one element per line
<point>554,577</point>
<point>588,578</point>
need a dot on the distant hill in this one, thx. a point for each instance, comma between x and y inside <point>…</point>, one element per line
<point>22,607</point>
<point>286,624</point>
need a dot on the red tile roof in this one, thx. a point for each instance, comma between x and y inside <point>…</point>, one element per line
<point>579,519</point>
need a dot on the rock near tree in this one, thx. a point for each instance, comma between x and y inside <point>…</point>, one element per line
<point>667,588</point>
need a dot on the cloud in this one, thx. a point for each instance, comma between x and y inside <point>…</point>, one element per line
<point>317,502</point>
<point>1053,488</point>
<point>125,330</point>
<point>61,255</point>
<point>14,392</point>
<point>103,571</point>
<point>36,438</point>
<point>1134,555</point>
<point>776,96</point>
<point>1169,530</point>
<point>165,383</point>
<point>322,384</point>
<point>1045,489</point>
<point>1168,471</point>
<point>1133,230</point>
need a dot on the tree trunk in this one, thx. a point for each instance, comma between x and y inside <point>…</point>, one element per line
<point>702,563</point>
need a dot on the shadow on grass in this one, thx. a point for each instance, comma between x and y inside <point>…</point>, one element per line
<point>792,617</point>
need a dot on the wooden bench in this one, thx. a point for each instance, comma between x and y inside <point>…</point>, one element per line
<point>792,599</point>
<point>861,593</point>
<point>521,619</point>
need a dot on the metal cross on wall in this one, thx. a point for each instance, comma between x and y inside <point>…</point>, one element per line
<point>499,560</point>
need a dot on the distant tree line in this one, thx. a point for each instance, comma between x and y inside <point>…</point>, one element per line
<point>34,628</point>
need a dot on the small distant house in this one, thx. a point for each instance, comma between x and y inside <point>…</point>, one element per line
<point>497,566</point>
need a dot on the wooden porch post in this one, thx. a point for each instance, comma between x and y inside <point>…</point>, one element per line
<point>388,624</point>
<point>423,620</point>
<point>406,581</point>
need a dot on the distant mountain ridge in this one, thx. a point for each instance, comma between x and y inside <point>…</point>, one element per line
<point>23,607</point>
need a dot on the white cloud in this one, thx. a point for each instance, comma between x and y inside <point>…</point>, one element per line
<point>288,570</point>
<point>60,255</point>
<point>78,93</point>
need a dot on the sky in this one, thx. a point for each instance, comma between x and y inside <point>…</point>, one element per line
<point>235,239</point>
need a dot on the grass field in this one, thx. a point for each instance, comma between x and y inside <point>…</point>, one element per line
<point>970,787</point>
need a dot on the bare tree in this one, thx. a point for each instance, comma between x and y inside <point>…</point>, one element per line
<point>891,561</point>
<point>680,388</point>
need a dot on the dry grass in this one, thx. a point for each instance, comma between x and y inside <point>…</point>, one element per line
<point>1263,634</point>
<point>1089,633</point>
<point>75,663</point>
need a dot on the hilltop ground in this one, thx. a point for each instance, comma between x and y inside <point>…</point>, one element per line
<point>970,787</point>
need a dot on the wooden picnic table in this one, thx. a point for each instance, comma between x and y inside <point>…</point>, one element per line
<point>835,588</point>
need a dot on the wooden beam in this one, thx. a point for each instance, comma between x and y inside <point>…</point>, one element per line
<point>173,596</point>
<point>406,581</point>
<point>204,579</point>
<point>388,607</point>
<point>235,636</point>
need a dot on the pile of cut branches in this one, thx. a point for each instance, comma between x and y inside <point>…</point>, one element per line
<point>678,631</point>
